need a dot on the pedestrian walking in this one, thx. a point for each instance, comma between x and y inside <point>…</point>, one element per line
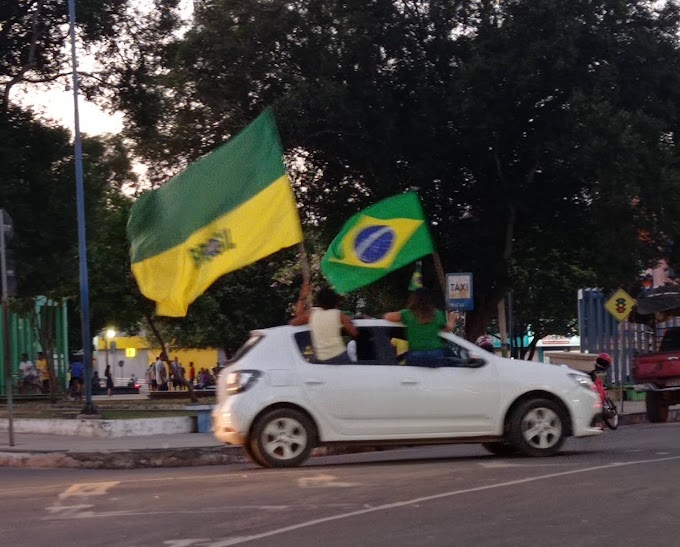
<point>109,380</point>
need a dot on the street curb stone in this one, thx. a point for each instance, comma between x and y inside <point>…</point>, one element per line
<point>125,459</point>
<point>190,457</point>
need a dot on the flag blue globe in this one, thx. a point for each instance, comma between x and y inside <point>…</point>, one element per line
<point>373,243</point>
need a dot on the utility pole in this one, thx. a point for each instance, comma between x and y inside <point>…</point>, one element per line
<point>6,229</point>
<point>89,407</point>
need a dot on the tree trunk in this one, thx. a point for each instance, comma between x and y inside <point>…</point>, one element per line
<point>44,326</point>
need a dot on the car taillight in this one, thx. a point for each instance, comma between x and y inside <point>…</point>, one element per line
<point>239,381</point>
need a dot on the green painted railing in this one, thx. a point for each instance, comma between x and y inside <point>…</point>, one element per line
<point>23,338</point>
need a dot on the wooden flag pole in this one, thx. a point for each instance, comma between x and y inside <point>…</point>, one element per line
<point>440,274</point>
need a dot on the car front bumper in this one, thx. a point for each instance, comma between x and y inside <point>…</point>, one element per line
<point>586,410</point>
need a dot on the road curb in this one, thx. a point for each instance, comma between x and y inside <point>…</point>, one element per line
<point>193,456</point>
<point>641,417</point>
<point>125,459</point>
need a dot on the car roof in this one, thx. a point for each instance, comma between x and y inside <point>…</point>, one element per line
<point>300,328</point>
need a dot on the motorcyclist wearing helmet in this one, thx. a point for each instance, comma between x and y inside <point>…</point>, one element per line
<point>485,343</point>
<point>602,364</point>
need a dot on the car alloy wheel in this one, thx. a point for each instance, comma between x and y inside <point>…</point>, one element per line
<point>537,427</point>
<point>282,438</point>
<point>541,428</point>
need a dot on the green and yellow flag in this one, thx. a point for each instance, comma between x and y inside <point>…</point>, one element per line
<point>227,210</point>
<point>376,241</point>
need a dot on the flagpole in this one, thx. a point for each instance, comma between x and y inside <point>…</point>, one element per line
<point>440,274</point>
<point>435,257</point>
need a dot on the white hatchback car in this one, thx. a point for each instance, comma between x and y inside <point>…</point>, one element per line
<point>278,404</point>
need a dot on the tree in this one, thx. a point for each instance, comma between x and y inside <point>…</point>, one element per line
<point>529,126</point>
<point>38,190</point>
<point>33,34</point>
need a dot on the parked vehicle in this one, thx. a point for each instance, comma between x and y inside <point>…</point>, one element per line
<point>278,404</point>
<point>610,414</point>
<point>658,372</point>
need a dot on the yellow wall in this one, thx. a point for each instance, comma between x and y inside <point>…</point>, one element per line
<point>201,357</point>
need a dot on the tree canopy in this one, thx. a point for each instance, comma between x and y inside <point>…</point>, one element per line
<point>542,136</point>
<point>536,131</point>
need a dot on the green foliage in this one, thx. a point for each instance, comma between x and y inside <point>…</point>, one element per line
<point>237,303</point>
<point>33,34</point>
<point>542,135</point>
<point>538,131</point>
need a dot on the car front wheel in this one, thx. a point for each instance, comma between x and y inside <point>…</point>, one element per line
<point>282,438</point>
<point>537,428</point>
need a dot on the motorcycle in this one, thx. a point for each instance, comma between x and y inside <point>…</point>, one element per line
<point>610,414</point>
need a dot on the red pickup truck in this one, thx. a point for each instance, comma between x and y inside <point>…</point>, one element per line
<point>658,373</point>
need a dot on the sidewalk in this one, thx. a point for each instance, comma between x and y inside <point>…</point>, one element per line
<point>176,450</point>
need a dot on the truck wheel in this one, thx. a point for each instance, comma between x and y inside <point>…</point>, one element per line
<point>657,411</point>
<point>537,428</point>
<point>282,438</point>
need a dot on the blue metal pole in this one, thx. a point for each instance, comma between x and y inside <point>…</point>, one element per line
<point>89,407</point>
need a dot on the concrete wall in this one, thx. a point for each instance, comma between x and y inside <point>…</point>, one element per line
<point>104,428</point>
<point>575,359</point>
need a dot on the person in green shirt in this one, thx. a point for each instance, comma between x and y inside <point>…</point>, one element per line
<point>423,323</point>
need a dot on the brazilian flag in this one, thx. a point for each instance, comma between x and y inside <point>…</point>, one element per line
<point>225,211</point>
<point>376,241</point>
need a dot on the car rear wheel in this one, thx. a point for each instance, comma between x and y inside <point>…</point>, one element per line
<point>282,438</point>
<point>537,428</point>
<point>500,449</point>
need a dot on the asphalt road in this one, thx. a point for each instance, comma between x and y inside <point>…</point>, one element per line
<point>620,488</point>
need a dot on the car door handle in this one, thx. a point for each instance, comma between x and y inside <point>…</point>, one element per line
<point>314,382</point>
<point>672,359</point>
<point>409,381</point>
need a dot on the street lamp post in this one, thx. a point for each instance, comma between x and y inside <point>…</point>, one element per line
<point>110,334</point>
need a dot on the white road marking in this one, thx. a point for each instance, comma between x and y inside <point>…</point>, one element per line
<point>502,465</point>
<point>83,491</point>
<point>226,542</point>
<point>185,542</point>
<point>323,481</point>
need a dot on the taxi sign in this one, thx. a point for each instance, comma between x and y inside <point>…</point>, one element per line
<point>620,305</point>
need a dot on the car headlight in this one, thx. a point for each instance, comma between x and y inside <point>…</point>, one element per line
<point>241,380</point>
<point>583,381</point>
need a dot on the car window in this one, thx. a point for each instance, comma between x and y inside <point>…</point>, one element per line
<point>245,348</point>
<point>456,355</point>
<point>373,346</point>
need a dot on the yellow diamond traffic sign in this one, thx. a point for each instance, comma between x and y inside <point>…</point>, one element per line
<point>620,305</point>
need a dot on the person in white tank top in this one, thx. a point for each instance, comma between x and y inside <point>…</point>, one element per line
<point>326,323</point>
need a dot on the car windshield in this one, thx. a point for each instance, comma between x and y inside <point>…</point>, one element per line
<point>245,348</point>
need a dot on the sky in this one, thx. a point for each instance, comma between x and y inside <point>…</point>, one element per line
<point>56,102</point>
